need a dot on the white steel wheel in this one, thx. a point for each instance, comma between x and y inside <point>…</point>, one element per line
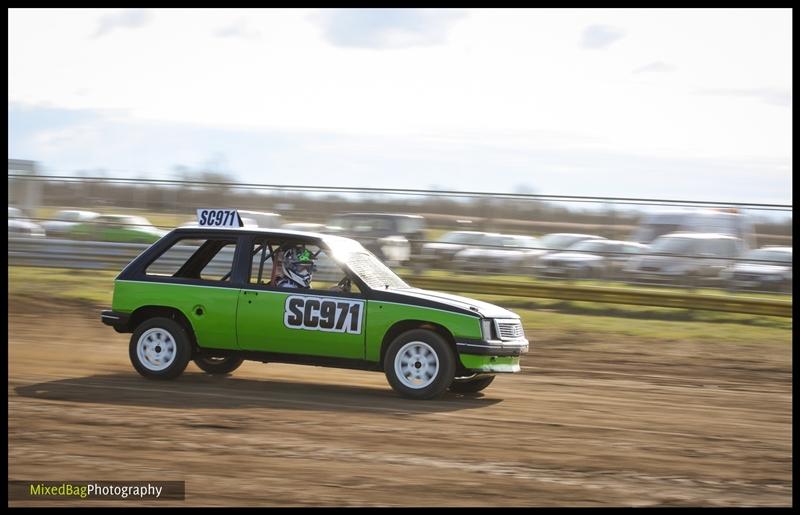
<point>416,365</point>
<point>156,349</point>
<point>160,348</point>
<point>419,364</point>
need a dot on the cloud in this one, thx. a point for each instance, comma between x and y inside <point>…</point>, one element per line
<point>771,96</point>
<point>600,36</point>
<point>386,28</point>
<point>655,66</point>
<point>237,30</point>
<point>129,19</point>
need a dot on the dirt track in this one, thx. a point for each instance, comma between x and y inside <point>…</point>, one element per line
<point>588,423</point>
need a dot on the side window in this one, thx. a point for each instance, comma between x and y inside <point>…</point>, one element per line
<point>168,263</point>
<point>267,268</point>
<point>729,249</point>
<point>261,262</point>
<point>718,248</point>
<point>203,259</point>
<point>220,266</point>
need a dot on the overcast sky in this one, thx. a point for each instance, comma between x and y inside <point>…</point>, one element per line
<point>685,104</point>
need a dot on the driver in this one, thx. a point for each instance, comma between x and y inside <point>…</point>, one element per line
<point>297,265</point>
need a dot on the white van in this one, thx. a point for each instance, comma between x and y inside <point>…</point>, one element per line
<point>721,221</point>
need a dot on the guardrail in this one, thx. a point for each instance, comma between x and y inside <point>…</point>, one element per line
<point>688,300</point>
<point>92,255</point>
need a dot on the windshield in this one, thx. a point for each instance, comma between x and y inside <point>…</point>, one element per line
<point>363,223</point>
<point>364,264</point>
<point>769,255</point>
<point>649,232</point>
<point>373,272</point>
<point>137,220</point>
<point>495,240</point>
<point>559,241</point>
<point>590,246</point>
<point>67,216</point>
<point>462,237</point>
<point>674,246</point>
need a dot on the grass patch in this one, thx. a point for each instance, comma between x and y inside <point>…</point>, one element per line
<point>95,287</point>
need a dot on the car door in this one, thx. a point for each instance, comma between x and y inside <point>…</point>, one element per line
<point>193,274</point>
<point>715,256</point>
<point>616,258</point>
<point>316,321</point>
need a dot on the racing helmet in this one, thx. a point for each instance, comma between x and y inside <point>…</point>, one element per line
<point>298,265</point>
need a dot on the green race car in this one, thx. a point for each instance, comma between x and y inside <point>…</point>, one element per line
<point>219,296</point>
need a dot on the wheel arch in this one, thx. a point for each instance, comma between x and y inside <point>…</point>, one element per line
<point>403,326</point>
<point>151,311</point>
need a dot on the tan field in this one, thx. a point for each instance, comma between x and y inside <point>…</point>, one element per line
<point>591,421</point>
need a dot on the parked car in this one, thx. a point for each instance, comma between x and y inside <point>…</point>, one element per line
<point>118,228</point>
<point>394,238</point>
<point>506,253</point>
<point>19,225</point>
<point>767,269</point>
<point>718,221</point>
<point>440,253</point>
<point>556,242</point>
<point>64,221</point>
<point>306,227</point>
<point>685,259</point>
<point>600,259</point>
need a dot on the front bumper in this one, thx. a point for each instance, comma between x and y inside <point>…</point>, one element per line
<point>493,347</point>
<point>490,364</point>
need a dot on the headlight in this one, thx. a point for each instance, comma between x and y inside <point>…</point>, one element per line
<point>486,329</point>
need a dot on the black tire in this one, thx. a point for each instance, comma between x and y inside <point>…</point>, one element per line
<point>471,384</point>
<point>172,336</point>
<point>218,364</point>
<point>432,346</point>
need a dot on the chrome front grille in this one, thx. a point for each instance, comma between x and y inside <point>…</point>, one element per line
<point>509,329</point>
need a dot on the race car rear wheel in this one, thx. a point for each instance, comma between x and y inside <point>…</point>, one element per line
<point>471,384</point>
<point>419,364</point>
<point>160,348</point>
<point>218,364</point>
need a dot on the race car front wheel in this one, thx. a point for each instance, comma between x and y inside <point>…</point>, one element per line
<point>218,364</point>
<point>160,348</point>
<point>419,364</point>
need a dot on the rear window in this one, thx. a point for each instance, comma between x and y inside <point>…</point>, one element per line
<point>677,246</point>
<point>203,259</point>
<point>770,255</point>
<point>720,248</point>
<point>461,237</point>
<point>410,225</point>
